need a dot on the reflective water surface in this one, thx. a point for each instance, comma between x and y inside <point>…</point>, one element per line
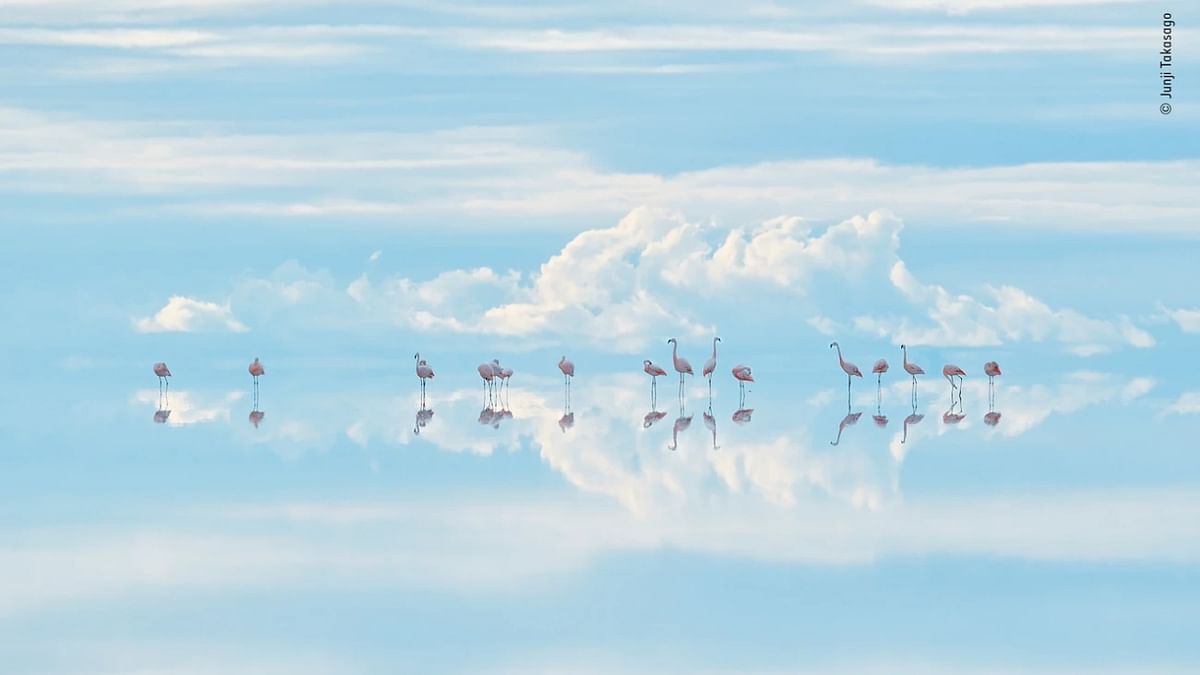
<point>341,514</point>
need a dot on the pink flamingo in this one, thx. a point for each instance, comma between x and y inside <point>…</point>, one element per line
<point>256,371</point>
<point>710,365</point>
<point>850,369</point>
<point>992,370</point>
<point>424,372</point>
<point>912,369</point>
<point>880,367</point>
<point>568,371</point>
<point>502,373</point>
<point>743,375</point>
<point>681,364</point>
<point>488,375</point>
<point>163,372</point>
<point>654,372</point>
<point>951,371</point>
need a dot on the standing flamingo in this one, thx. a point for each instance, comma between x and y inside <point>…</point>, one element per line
<point>256,370</point>
<point>488,375</point>
<point>850,369</point>
<point>163,372</point>
<point>912,369</point>
<point>681,364</point>
<point>992,370</point>
<point>743,375</point>
<point>568,371</point>
<point>880,367</point>
<point>424,372</point>
<point>710,365</point>
<point>654,372</point>
<point>951,371</point>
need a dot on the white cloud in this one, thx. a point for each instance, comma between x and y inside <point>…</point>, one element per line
<point>1188,403</point>
<point>1188,319</point>
<point>1010,315</point>
<point>481,175</point>
<point>656,273</point>
<point>187,315</point>
<point>187,408</point>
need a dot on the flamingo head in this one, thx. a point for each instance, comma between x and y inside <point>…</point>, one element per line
<point>495,362</point>
<point>417,356</point>
<point>646,363</point>
<point>832,345</point>
<point>716,339</point>
<point>671,341</point>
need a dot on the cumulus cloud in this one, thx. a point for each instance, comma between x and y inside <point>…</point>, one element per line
<point>657,273</point>
<point>1006,314</point>
<point>182,314</point>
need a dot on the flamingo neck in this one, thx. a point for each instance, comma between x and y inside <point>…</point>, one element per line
<point>714,348</point>
<point>675,352</point>
<point>839,351</point>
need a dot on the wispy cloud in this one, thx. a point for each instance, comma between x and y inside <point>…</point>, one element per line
<point>513,173</point>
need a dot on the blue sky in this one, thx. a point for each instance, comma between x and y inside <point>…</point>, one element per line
<point>335,186</point>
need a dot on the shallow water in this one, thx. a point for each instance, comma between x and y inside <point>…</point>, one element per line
<point>340,521</point>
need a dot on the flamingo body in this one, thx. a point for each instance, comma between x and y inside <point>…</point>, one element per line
<point>256,368</point>
<point>652,370</point>
<point>567,368</point>
<point>161,369</point>
<point>742,373</point>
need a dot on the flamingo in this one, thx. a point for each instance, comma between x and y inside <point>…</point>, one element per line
<point>424,372</point>
<point>654,372</point>
<point>951,371</point>
<point>566,421</point>
<point>743,375</point>
<point>163,372</point>
<point>992,418</point>
<point>992,370</point>
<point>161,416</point>
<point>681,364</point>
<point>710,365</point>
<point>912,369</point>
<point>880,367</point>
<point>502,373</point>
<point>486,372</point>
<point>850,369</point>
<point>256,417</point>
<point>568,371</point>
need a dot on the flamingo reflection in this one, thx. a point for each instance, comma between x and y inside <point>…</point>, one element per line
<point>161,416</point>
<point>914,418</point>
<point>741,416</point>
<point>486,416</point>
<point>711,423</point>
<point>256,417</point>
<point>652,418</point>
<point>681,424</point>
<point>424,415</point>
<point>567,421</point>
<point>848,421</point>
